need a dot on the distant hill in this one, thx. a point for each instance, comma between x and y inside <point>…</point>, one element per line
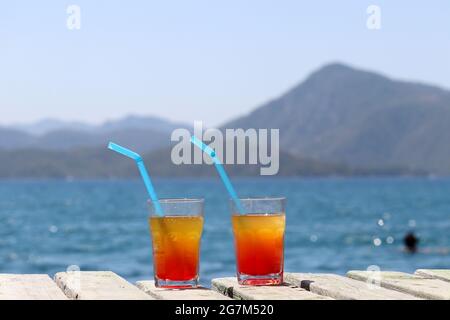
<point>48,125</point>
<point>11,138</point>
<point>141,133</point>
<point>102,163</point>
<point>143,123</point>
<point>340,120</point>
<point>343,115</point>
<point>129,122</point>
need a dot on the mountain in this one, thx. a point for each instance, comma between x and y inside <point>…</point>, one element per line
<point>141,133</point>
<point>88,163</point>
<point>340,120</point>
<point>140,140</point>
<point>10,138</point>
<point>340,114</point>
<point>48,125</point>
<point>138,122</point>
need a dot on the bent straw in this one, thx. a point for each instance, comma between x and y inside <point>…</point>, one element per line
<point>223,175</point>
<point>144,174</point>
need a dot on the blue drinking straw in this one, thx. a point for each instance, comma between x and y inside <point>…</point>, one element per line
<point>144,174</point>
<point>223,175</point>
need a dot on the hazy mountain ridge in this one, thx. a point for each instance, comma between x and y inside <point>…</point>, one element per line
<point>340,120</point>
<point>88,163</point>
<point>340,114</point>
<point>141,133</point>
<point>48,125</point>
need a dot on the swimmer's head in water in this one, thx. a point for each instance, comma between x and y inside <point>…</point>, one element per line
<point>411,242</point>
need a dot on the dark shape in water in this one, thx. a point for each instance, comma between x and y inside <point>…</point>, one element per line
<point>411,242</point>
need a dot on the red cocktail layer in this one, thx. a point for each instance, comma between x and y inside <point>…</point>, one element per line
<point>176,246</point>
<point>259,243</point>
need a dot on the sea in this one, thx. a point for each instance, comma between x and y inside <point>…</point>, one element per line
<point>333,225</point>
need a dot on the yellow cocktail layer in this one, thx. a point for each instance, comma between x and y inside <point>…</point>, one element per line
<point>176,246</point>
<point>259,243</point>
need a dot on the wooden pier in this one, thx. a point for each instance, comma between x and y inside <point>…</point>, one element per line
<point>356,285</point>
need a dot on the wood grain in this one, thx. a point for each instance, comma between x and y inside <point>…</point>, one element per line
<point>440,274</point>
<point>29,287</point>
<point>179,294</point>
<point>98,285</point>
<point>231,288</point>
<point>422,287</point>
<point>343,288</point>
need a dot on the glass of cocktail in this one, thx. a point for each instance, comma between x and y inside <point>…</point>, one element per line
<point>176,242</point>
<point>259,240</point>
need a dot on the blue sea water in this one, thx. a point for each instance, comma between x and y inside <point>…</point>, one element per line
<point>333,225</point>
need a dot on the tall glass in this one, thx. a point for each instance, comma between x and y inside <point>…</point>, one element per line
<point>176,242</point>
<point>259,240</point>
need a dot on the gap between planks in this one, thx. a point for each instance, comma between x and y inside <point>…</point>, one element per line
<point>343,288</point>
<point>419,286</point>
<point>440,274</point>
<point>231,288</point>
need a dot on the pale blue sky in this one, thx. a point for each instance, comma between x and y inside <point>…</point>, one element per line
<point>204,60</point>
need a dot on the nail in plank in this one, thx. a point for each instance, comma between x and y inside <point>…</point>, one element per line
<point>422,287</point>
<point>199,293</point>
<point>231,288</point>
<point>98,285</point>
<point>343,288</point>
<point>29,287</point>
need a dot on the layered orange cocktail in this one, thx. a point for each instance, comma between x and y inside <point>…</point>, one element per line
<point>259,245</point>
<point>176,249</point>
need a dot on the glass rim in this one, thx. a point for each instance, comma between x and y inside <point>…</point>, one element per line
<point>178,200</point>
<point>261,198</point>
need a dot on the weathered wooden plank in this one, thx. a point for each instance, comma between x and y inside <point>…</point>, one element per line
<point>231,288</point>
<point>422,287</point>
<point>343,288</point>
<point>29,287</point>
<point>441,274</point>
<point>179,294</point>
<point>98,285</point>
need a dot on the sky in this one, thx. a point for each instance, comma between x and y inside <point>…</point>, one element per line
<point>208,60</point>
